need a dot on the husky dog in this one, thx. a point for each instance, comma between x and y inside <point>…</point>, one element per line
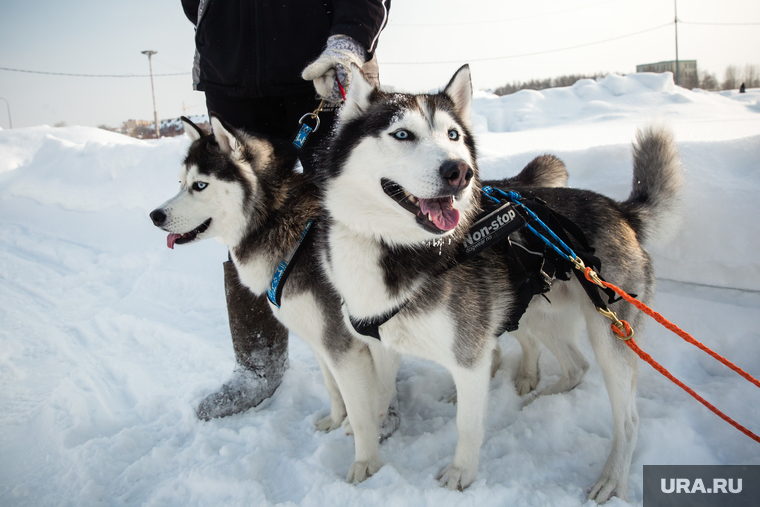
<point>244,191</point>
<point>400,190</point>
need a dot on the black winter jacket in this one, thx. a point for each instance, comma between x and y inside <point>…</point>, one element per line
<point>258,48</point>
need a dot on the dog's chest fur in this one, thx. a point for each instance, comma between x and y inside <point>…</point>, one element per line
<point>443,307</point>
<point>355,268</point>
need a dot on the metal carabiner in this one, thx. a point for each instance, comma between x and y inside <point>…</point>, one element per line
<point>622,326</point>
<point>314,114</point>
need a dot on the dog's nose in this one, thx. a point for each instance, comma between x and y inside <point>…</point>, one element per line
<point>456,174</point>
<point>158,217</point>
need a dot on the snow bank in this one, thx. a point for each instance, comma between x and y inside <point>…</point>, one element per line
<point>591,126</point>
<point>612,99</point>
<point>108,339</point>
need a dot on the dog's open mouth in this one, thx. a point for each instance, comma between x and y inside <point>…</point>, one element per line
<point>436,215</point>
<point>186,237</point>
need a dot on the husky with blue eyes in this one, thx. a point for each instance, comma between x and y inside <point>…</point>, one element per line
<point>400,192</point>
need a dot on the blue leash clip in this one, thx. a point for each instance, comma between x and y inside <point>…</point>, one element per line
<point>302,135</point>
<point>305,130</point>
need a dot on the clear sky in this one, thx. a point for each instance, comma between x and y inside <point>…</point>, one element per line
<point>423,44</point>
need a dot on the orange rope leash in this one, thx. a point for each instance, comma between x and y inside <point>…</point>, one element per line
<point>677,330</point>
<point>591,276</point>
<point>646,357</point>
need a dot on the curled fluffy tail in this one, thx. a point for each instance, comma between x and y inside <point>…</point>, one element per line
<point>655,203</point>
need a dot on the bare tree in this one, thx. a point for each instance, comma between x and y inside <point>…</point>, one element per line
<point>731,81</point>
<point>708,81</point>
<point>752,76</point>
<point>690,81</point>
<point>542,84</point>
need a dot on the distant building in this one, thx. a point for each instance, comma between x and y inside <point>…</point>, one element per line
<point>687,70</point>
<point>175,127</point>
<point>145,129</point>
<point>136,128</point>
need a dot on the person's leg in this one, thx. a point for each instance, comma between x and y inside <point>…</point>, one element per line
<point>259,340</point>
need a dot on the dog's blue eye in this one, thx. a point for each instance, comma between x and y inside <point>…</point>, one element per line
<point>199,185</point>
<point>403,135</point>
<point>453,135</point>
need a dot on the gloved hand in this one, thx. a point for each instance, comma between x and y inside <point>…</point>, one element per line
<point>335,61</point>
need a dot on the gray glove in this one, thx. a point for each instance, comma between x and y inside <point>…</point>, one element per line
<point>335,61</point>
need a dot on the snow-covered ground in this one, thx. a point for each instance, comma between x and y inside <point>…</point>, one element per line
<point>108,339</point>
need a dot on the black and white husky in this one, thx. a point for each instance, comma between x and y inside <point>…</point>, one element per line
<point>400,191</point>
<point>244,191</point>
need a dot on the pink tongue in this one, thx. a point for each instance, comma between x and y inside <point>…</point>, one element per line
<point>171,238</point>
<point>442,213</point>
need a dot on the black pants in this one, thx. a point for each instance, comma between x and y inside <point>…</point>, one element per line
<point>275,117</point>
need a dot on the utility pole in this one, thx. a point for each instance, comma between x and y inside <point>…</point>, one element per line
<point>153,90</point>
<point>678,66</point>
<point>10,122</point>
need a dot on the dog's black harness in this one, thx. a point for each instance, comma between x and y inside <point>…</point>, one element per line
<point>531,263</point>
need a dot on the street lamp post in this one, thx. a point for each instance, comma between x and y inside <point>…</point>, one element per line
<point>678,65</point>
<point>7,105</point>
<point>153,90</point>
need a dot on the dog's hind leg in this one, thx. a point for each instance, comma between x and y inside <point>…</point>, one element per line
<point>620,369</point>
<point>560,335</point>
<point>528,374</point>
<point>337,406</point>
<point>472,395</point>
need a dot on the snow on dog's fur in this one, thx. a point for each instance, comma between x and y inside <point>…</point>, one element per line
<point>400,190</point>
<point>243,190</point>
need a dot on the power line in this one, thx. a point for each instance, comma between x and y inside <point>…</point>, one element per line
<point>167,64</point>
<point>531,16</point>
<point>532,54</point>
<point>720,24</point>
<point>91,75</point>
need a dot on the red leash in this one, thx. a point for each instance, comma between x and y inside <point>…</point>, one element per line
<point>342,90</point>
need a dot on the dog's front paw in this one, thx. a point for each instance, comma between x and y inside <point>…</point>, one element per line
<point>454,477</point>
<point>327,424</point>
<point>607,487</point>
<point>361,470</point>
<point>526,382</point>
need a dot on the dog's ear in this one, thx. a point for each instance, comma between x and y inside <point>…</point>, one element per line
<point>224,135</point>
<point>459,90</point>
<point>192,130</point>
<point>357,97</point>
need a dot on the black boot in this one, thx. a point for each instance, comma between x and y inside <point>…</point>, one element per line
<point>261,352</point>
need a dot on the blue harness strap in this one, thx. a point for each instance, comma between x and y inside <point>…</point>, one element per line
<point>274,294</point>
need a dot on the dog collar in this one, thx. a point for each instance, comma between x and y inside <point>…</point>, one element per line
<point>274,293</point>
